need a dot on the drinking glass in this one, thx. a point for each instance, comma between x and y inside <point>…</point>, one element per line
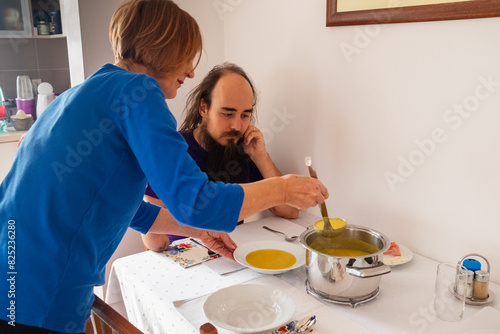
<point>449,294</point>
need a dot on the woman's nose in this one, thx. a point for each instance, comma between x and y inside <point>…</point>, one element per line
<point>190,72</point>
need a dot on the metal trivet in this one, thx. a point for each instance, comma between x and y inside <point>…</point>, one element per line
<point>353,302</point>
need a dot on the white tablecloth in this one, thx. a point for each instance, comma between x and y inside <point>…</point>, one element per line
<point>162,297</point>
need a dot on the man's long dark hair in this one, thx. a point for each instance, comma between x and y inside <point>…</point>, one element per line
<point>204,92</point>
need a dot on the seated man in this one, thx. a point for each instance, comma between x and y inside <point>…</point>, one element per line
<point>221,138</point>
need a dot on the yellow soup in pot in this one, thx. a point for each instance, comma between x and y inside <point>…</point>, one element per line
<point>270,259</point>
<point>344,252</point>
<point>340,246</point>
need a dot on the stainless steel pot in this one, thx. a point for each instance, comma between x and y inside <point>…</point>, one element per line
<point>345,279</point>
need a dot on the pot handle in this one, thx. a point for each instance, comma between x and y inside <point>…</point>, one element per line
<point>381,269</point>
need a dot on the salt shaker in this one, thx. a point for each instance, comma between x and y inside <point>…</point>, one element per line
<point>472,265</point>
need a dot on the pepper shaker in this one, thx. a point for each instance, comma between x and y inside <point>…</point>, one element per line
<point>481,281</point>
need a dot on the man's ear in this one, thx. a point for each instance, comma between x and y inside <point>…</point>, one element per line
<point>203,108</point>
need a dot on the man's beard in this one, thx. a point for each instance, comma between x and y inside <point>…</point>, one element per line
<point>226,163</point>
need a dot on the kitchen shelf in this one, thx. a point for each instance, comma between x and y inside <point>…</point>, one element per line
<point>48,36</point>
<point>11,135</point>
<point>36,37</point>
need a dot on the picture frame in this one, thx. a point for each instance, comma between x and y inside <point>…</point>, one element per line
<point>15,19</point>
<point>435,10</point>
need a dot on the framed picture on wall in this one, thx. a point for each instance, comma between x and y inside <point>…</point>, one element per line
<point>15,19</point>
<point>358,12</point>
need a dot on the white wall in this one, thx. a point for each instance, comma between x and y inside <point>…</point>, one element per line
<point>212,29</point>
<point>358,113</point>
<point>95,16</point>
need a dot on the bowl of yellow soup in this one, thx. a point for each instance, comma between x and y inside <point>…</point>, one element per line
<point>346,268</point>
<point>270,256</point>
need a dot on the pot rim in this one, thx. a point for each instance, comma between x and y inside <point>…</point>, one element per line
<point>310,230</point>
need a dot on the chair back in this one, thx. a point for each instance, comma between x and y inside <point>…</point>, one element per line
<point>106,320</point>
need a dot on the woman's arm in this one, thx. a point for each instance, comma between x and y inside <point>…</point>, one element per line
<point>155,241</point>
<point>219,242</point>
<point>300,192</point>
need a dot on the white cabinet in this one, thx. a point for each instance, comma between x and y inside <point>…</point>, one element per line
<point>15,19</point>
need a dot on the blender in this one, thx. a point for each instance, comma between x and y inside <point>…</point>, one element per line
<point>25,95</point>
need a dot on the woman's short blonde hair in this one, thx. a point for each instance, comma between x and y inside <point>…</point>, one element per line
<point>156,34</point>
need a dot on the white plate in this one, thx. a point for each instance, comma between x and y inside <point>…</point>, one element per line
<point>406,256</point>
<point>249,308</point>
<point>242,251</point>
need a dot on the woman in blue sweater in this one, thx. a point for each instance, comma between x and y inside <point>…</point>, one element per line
<point>78,178</point>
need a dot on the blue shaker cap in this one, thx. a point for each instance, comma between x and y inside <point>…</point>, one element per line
<point>471,264</point>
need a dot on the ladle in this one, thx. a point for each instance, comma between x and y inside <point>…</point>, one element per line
<point>327,230</point>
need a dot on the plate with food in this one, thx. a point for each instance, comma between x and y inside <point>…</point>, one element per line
<point>397,254</point>
<point>270,256</point>
<point>249,308</point>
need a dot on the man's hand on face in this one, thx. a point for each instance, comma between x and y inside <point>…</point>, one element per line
<point>253,143</point>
